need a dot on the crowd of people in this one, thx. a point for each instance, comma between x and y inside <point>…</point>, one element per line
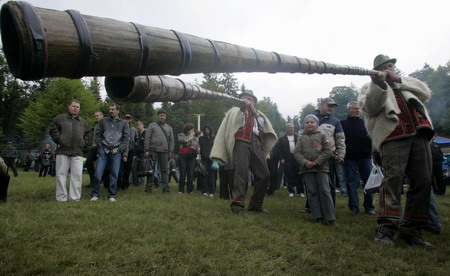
<point>325,155</point>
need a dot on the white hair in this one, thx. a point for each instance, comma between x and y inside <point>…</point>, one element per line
<point>350,104</point>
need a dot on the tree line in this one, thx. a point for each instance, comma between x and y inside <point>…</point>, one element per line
<point>28,107</point>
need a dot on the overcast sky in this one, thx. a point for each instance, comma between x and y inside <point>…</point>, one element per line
<point>342,32</point>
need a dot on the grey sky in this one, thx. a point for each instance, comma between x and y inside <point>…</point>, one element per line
<point>342,32</point>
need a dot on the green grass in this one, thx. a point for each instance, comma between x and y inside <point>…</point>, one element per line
<point>180,234</point>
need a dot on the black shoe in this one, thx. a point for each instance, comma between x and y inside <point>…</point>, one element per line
<point>306,210</point>
<point>166,191</point>
<point>239,211</point>
<point>383,238</point>
<point>353,213</point>
<point>258,210</point>
<point>415,241</point>
<point>330,223</point>
<point>88,186</point>
<point>432,230</point>
<point>319,220</point>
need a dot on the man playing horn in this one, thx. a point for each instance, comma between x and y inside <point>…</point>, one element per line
<point>400,127</point>
<point>245,138</point>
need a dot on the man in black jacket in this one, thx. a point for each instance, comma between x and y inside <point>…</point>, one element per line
<point>287,146</point>
<point>357,158</point>
<point>71,134</point>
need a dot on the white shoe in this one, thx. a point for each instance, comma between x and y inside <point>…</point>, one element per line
<point>211,195</point>
<point>205,194</point>
<point>291,195</point>
<point>94,198</point>
<point>302,195</point>
<point>112,199</point>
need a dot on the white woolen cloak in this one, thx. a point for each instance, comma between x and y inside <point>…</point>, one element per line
<point>380,107</point>
<point>222,150</point>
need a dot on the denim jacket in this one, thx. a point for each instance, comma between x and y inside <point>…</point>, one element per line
<point>113,133</point>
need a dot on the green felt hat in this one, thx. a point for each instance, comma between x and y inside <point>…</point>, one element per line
<point>382,59</point>
<point>248,93</point>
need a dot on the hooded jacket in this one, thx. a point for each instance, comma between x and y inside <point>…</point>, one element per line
<point>206,143</point>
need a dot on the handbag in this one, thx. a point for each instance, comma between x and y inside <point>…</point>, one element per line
<point>193,151</point>
<point>374,181</point>
<point>143,166</point>
<point>200,169</point>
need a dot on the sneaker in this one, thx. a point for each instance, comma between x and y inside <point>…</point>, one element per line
<point>370,212</point>
<point>415,241</point>
<point>112,199</point>
<point>94,198</point>
<point>353,212</point>
<point>302,195</point>
<point>291,195</point>
<point>180,192</point>
<point>211,195</point>
<point>205,194</point>
<point>383,239</point>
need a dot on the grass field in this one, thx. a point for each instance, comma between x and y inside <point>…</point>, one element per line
<point>180,234</point>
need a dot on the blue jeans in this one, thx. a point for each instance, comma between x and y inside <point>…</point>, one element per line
<point>434,221</point>
<point>102,161</point>
<point>352,168</point>
<point>208,181</point>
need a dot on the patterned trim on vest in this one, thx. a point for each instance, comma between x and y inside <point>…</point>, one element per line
<point>410,120</point>
<point>245,133</point>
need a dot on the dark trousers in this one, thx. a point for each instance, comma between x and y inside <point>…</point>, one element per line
<point>332,177</point>
<point>226,183</point>
<point>11,163</point>
<point>292,177</point>
<point>438,177</point>
<point>208,182</point>
<point>44,170</point>
<point>4,184</point>
<point>126,170</point>
<point>410,156</point>
<point>90,160</point>
<point>161,160</point>
<point>174,174</point>
<point>249,156</point>
<point>186,165</point>
<point>272,164</point>
<point>27,167</point>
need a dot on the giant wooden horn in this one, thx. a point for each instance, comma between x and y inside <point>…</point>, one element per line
<point>152,89</point>
<point>46,43</point>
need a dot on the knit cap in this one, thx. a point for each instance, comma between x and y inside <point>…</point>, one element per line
<point>313,117</point>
